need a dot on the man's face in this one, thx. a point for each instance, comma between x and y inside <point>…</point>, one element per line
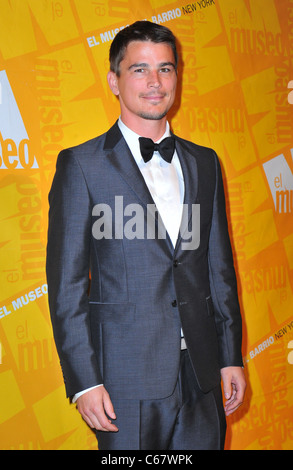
<point>147,83</point>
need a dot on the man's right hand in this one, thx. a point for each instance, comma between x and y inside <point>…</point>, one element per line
<point>96,408</point>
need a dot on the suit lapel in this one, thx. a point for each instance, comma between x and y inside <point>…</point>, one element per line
<point>122,160</point>
<point>190,175</point>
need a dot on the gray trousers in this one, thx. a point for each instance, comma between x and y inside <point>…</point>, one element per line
<point>186,420</point>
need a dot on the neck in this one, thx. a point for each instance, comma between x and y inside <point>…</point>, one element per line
<point>153,129</point>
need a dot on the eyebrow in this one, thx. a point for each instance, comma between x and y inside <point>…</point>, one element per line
<point>143,64</point>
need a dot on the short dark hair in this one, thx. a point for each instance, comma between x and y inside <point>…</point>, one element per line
<point>139,31</point>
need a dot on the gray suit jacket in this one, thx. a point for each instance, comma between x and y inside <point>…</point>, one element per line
<point>124,329</point>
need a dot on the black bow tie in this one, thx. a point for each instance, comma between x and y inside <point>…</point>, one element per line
<point>166,148</point>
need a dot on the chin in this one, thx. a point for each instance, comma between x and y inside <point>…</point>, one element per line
<point>153,116</point>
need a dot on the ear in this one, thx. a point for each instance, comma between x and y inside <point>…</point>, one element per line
<point>113,82</point>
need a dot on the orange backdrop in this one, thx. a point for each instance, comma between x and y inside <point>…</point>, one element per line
<point>235,96</point>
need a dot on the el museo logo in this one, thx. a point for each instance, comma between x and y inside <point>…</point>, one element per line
<point>131,222</point>
<point>290,96</point>
<point>280,180</point>
<point>15,147</point>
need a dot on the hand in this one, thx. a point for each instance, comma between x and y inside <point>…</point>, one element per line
<point>95,406</point>
<point>234,385</point>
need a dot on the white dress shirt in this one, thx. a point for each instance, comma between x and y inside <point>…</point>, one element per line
<point>165,183</point>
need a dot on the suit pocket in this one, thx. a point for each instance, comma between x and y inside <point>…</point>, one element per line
<point>114,313</point>
<point>210,306</point>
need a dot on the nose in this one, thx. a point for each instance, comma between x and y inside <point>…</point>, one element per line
<point>154,79</point>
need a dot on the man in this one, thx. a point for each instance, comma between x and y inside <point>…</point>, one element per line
<point>144,349</point>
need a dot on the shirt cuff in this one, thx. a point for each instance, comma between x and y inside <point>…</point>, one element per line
<point>77,395</point>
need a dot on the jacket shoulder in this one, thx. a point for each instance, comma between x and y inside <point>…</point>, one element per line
<point>97,146</point>
<point>87,147</point>
<point>195,148</point>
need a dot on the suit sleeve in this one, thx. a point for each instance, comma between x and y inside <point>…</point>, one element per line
<point>223,281</point>
<point>68,255</point>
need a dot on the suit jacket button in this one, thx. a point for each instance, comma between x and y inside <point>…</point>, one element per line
<point>174,303</point>
<point>175,263</point>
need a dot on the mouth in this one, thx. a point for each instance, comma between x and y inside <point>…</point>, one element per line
<point>155,97</point>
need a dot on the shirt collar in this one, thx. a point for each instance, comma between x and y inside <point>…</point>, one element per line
<point>132,139</point>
